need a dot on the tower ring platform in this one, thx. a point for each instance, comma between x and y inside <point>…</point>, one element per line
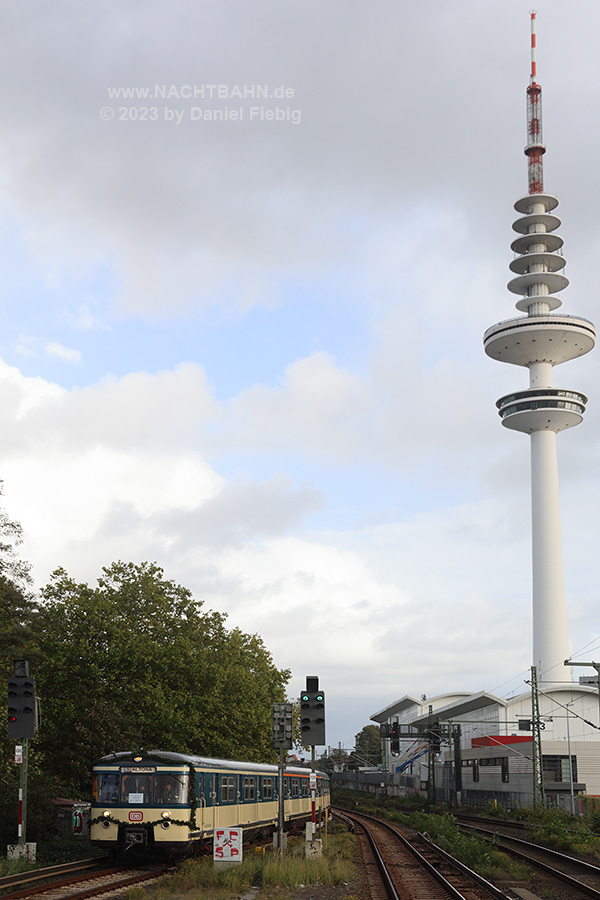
<point>541,409</point>
<point>524,204</point>
<point>525,340</point>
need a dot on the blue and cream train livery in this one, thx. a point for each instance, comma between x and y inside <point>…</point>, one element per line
<point>171,803</point>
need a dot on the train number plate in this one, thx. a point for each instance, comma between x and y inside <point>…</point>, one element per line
<point>136,816</point>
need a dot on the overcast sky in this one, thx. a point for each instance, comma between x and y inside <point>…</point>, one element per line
<point>241,335</point>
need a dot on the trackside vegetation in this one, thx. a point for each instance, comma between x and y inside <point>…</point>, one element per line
<point>265,869</point>
<point>552,828</point>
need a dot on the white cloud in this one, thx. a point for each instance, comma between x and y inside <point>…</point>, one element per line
<point>66,354</point>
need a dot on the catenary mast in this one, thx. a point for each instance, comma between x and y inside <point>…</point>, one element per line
<point>540,340</point>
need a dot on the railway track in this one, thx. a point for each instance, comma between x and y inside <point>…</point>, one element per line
<point>399,869</point>
<point>556,869</point>
<point>75,881</point>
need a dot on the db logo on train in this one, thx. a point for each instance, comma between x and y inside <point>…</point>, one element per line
<point>136,816</point>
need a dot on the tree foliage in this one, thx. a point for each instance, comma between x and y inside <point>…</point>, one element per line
<point>136,662</point>
<point>17,603</point>
<point>367,749</point>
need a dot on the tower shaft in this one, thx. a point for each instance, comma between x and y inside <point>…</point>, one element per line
<point>550,631</point>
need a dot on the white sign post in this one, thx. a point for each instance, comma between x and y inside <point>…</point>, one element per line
<point>227,846</point>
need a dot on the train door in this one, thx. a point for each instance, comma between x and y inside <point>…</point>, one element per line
<point>214,799</point>
<point>200,799</point>
<point>267,806</point>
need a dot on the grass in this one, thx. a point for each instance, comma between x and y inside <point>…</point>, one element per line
<point>199,880</point>
<point>561,831</point>
<point>16,866</point>
<point>553,828</point>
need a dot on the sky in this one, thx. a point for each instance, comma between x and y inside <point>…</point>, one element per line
<point>248,254</point>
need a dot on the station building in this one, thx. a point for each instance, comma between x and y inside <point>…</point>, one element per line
<point>495,748</point>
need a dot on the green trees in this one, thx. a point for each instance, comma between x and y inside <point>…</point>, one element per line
<point>17,605</point>
<point>368,746</point>
<point>136,662</point>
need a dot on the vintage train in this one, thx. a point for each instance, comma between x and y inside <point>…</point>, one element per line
<point>171,803</point>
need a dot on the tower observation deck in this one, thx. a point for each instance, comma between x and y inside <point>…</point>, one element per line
<point>540,340</point>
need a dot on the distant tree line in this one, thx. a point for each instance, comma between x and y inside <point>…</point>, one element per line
<point>133,663</point>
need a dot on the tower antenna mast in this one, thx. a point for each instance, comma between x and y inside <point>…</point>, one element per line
<point>535,148</point>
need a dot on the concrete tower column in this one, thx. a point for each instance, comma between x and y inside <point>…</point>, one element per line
<point>550,630</point>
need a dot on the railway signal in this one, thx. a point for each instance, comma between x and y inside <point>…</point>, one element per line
<point>312,714</point>
<point>22,720</point>
<point>395,738</point>
<point>282,726</point>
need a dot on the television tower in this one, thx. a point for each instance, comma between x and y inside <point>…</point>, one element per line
<point>540,340</point>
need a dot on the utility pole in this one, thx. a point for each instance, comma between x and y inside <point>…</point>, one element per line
<point>456,735</point>
<point>281,740</point>
<point>312,723</point>
<point>431,757</point>
<point>539,793</point>
<point>23,722</point>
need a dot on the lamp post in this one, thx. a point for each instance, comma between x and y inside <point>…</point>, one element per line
<point>567,705</point>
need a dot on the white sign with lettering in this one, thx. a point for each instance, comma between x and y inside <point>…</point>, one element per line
<point>227,844</point>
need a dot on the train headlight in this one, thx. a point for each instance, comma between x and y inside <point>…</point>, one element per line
<point>166,814</point>
<point>106,813</point>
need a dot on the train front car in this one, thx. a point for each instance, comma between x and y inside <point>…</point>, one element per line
<point>143,805</point>
<point>171,804</point>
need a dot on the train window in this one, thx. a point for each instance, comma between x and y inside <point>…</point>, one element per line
<point>170,788</point>
<point>295,791</point>
<point>136,789</point>
<point>305,790</point>
<point>106,787</point>
<point>249,788</point>
<point>227,788</point>
<point>267,788</point>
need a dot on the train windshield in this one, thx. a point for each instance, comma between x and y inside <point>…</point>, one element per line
<point>106,787</point>
<point>136,788</point>
<point>170,788</point>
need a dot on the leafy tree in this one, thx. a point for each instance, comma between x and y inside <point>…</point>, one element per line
<point>136,663</point>
<point>17,603</point>
<point>367,751</point>
<point>334,760</point>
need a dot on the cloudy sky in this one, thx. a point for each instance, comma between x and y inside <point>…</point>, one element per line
<point>248,253</point>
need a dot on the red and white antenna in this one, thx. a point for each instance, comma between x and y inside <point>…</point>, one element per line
<point>535,148</point>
